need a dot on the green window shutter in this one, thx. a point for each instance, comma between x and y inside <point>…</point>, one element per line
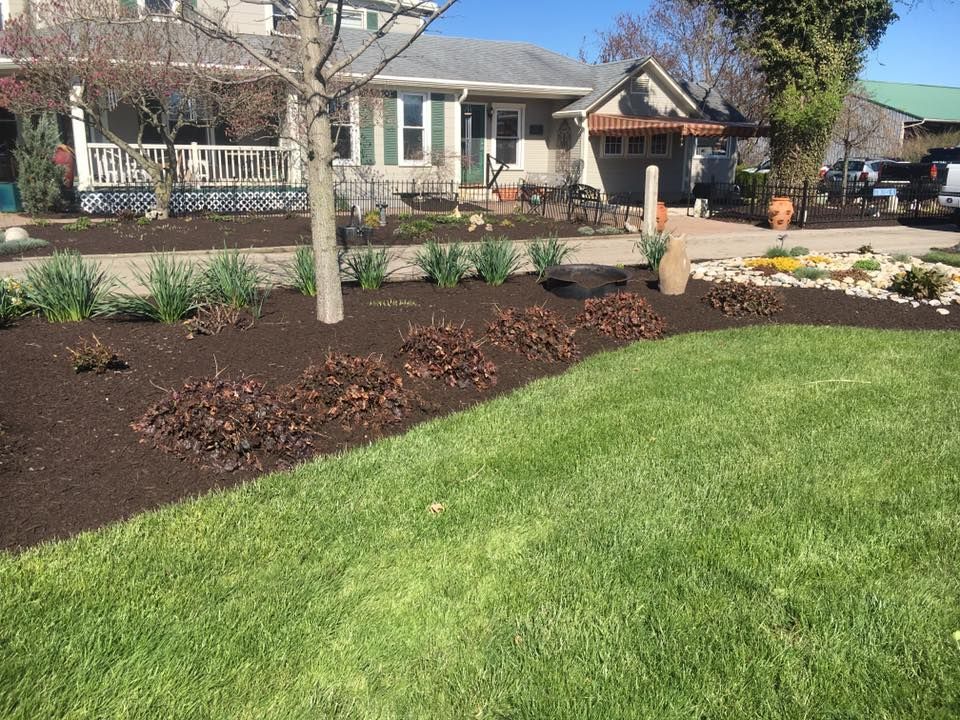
<point>391,152</point>
<point>373,20</point>
<point>128,4</point>
<point>368,155</point>
<point>438,112</point>
<point>328,17</point>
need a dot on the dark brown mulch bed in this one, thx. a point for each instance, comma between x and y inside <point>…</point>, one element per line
<point>70,461</point>
<point>203,233</point>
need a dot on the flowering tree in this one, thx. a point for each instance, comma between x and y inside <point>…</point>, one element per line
<point>107,56</point>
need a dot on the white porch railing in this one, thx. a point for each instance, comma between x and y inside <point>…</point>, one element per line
<point>200,164</point>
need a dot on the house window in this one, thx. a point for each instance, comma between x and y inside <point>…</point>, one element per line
<point>158,7</point>
<point>640,85</point>
<point>712,147</point>
<point>283,15</point>
<point>508,144</point>
<point>612,145</point>
<point>658,145</point>
<point>343,129</point>
<point>414,137</point>
<point>351,18</point>
<point>636,145</point>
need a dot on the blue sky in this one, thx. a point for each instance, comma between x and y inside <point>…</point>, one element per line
<point>917,48</point>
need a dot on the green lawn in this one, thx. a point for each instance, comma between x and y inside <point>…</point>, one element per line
<point>749,524</point>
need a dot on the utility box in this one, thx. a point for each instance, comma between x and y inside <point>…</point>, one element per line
<point>9,197</point>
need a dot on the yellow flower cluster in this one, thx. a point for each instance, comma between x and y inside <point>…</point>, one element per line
<point>13,289</point>
<point>781,264</point>
<point>817,259</point>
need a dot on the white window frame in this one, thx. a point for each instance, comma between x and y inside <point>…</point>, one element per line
<point>361,21</point>
<point>427,115</point>
<point>698,156</point>
<point>626,146</point>
<point>603,146</point>
<point>666,153</point>
<point>354,126</point>
<point>521,113</point>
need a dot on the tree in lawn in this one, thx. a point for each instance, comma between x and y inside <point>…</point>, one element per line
<point>313,60</point>
<point>106,56</point>
<point>810,53</point>
<point>38,177</point>
<point>692,41</point>
<point>863,128</point>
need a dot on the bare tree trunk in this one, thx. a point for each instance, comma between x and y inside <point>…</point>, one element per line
<point>163,191</point>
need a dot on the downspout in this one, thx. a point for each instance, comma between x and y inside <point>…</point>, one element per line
<point>458,136</point>
<point>584,145</point>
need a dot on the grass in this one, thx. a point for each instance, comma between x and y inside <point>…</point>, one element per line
<point>444,265</point>
<point>302,271</point>
<point>172,288</point>
<point>368,267</point>
<point>708,535</point>
<point>941,256</point>
<point>66,287</point>
<point>15,247</point>
<point>233,279</point>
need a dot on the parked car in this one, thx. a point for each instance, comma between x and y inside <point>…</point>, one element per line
<point>942,155</point>
<point>950,190</point>
<point>859,170</point>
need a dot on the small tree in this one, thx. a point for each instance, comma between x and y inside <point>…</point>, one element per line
<point>38,177</point>
<point>862,127</point>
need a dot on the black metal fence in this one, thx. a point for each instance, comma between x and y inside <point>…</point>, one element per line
<point>828,204</point>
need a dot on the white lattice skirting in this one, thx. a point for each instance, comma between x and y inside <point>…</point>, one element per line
<point>186,202</point>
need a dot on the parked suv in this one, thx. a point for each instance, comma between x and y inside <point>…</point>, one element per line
<point>859,170</point>
<point>950,192</point>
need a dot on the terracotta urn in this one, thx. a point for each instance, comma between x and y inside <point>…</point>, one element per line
<point>675,267</point>
<point>507,194</point>
<point>780,213</point>
<point>661,216</point>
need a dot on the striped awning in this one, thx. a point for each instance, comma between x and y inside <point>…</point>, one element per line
<point>623,125</point>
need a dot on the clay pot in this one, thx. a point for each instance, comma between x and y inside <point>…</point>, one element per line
<point>780,213</point>
<point>507,194</point>
<point>661,216</point>
<point>675,267</point>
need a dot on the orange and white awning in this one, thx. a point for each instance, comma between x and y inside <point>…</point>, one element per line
<point>624,125</point>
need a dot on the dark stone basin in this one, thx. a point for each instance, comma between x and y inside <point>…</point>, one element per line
<point>580,282</point>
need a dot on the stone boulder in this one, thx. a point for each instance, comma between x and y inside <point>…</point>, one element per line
<point>15,233</point>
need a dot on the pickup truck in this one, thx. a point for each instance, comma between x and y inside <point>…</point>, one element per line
<point>950,191</point>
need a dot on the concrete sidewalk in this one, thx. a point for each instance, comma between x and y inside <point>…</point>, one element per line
<point>706,240</point>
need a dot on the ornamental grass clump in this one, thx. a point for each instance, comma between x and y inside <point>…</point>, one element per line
<point>368,267</point>
<point>354,391</point>
<point>302,271</point>
<point>229,424</point>
<point>16,247</point>
<point>741,299</point>
<point>92,355</point>
<point>653,246</point>
<point>11,301</point>
<point>536,333</point>
<point>444,265</point>
<point>449,353</point>
<point>495,260</point>
<point>231,278</point>
<point>811,273</point>
<point>67,288</point>
<point>780,264</point>
<point>172,290</point>
<point>548,252</point>
<point>921,283</point>
<point>625,316</point>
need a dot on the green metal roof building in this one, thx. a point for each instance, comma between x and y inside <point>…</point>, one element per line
<point>934,107</point>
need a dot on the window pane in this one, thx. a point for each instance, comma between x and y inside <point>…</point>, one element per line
<point>413,111</point>
<point>507,151</point>
<point>340,135</point>
<point>351,18</point>
<point>412,144</point>
<point>508,124</point>
<point>613,145</point>
<point>635,145</point>
<point>658,145</point>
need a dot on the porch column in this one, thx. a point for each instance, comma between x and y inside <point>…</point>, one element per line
<point>291,140</point>
<point>82,157</point>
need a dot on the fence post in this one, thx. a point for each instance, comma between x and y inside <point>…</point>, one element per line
<point>804,202</point>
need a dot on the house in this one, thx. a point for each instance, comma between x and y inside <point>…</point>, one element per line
<point>472,113</point>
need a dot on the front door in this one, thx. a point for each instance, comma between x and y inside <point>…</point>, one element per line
<point>473,131</point>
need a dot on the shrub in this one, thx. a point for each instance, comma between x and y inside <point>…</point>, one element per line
<point>921,283</point>
<point>15,247</point>
<point>38,177</point>
<point>172,288</point>
<point>609,230</point>
<point>495,259</point>
<point>93,355</point>
<point>444,265</point>
<point>776,252</point>
<point>906,258</point>
<point>231,278</point>
<point>536,333</point>
<point>780,264</point>
<point>625,316</point>
<point>214,319</point>
<point>371,219</point>
<point>854,274</point>
<point>450,220</point>
<point>869,264</point>
<point>653,246</point>
<point>228,424</point>
<point>415,229</point>
<point>799,250</point>
<point>448,353</point>
<point>66,288</point>
<point>544,253</point>
<point>739,299</point>
<point>935,256</point>
<point>302,271</point>
<point>11,301</point>
<point>586,230</point>
<point>79,225</point>
<point>865,250</point>
<point>353,390</point>
<point>368,267</point>
<point>811,273</point>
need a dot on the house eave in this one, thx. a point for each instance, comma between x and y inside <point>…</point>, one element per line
<point>548,91</point>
